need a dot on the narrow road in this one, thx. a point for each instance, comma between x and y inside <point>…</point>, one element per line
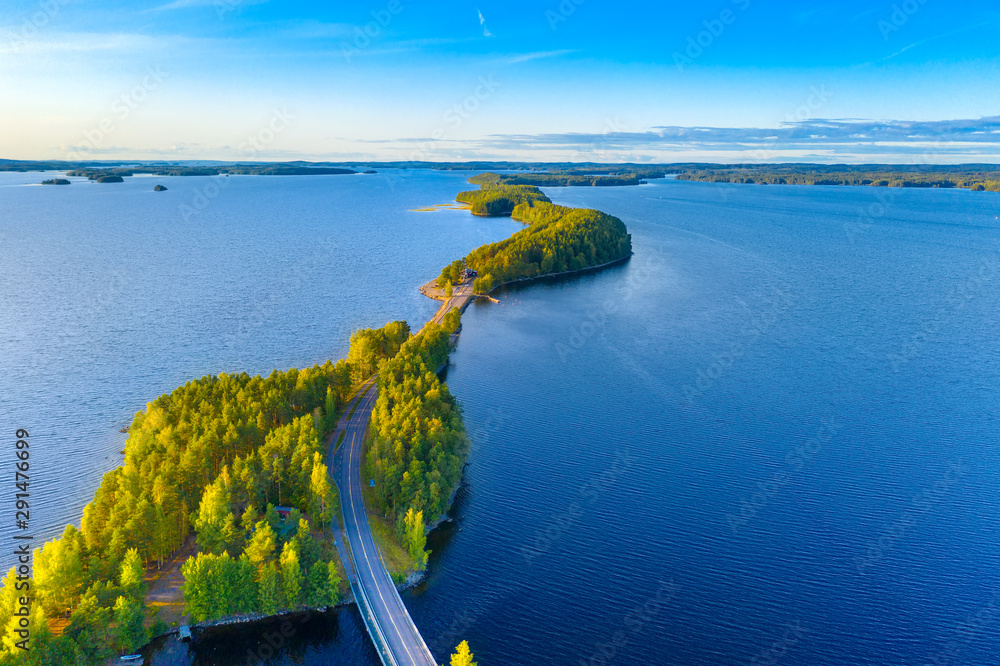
<point>461,294</point>
<point>392,630</point>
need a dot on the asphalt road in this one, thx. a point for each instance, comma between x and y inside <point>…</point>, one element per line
<point>459,296</point>
<point>381,602</point>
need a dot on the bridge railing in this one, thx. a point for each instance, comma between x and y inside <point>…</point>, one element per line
<point>371,624</point>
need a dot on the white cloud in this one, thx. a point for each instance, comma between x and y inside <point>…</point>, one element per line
<point>80,42</point>
<point>185,4</point>
<point>482,22</point>
<point>525,57</point>
<point>318,30</point>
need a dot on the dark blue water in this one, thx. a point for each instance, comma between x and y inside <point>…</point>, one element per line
<point>771,437</point>
<point>113,294</point>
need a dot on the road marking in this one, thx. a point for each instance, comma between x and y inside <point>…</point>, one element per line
<point>353,456</point>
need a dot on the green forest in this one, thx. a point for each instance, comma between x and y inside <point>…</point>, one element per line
<point>237,169</point>
<point>557,239</point>
<point>495,199</point>
<point>498,194</point>
<point>418,440</point>
<point>973,177</point>
<point>570,180</point>
<point>214,459</point>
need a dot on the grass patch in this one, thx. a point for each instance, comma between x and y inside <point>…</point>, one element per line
<point>338,510</point>
<point>397,560</point>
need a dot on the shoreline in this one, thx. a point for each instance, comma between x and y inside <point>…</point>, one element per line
<point>414,578</point>
<point>620,260</point>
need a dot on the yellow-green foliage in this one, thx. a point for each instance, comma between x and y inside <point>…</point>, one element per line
<point>557,239</point>
<point>370,346</point>
<point>215,448</point>
<point>418,435</point>
<point>494,198</point>
<point>975,177</point>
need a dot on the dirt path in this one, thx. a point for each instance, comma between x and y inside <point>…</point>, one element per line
<point>164,586</point>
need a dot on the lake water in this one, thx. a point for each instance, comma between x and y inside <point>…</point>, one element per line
<point>770,437</point>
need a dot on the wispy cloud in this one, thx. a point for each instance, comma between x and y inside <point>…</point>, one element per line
<point>84,42</point>
<point>525,57</point>
<point>943,35</point>
<point>482,22</point>
<point>317,30</point>
<point>831,137</point>
<point>185,4</point>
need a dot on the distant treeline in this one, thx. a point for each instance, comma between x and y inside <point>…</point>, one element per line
<point>498,194</point>
<point>971,176</point>
<point>236,169</point>
<point>975,177</point>
<point>568,180</point>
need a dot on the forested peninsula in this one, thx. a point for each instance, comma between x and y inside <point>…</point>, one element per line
<point>207,470</point>
<point>227,472</point>
<point>557,239</point>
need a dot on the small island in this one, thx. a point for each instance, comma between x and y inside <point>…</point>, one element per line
<point>56,181</point>
<point>159,188</point>
<point>110,179</point>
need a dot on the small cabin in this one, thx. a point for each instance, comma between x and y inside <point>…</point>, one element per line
<point>283,511</point>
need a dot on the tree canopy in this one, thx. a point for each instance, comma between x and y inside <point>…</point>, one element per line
<point>557,239</point>
<point>418,437</point>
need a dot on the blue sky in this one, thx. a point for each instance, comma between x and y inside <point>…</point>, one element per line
<point>580,80</point>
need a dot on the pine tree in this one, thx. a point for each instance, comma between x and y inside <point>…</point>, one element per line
<point>260,550</point>
<point>197,586</point>
<point>89,629</point>
<point>269,589</point>
<point>416,540</point>
<point>247,596</point>
<point>58,573</point>
<point>333,583</point>
<point>330,410</point>
<point>291,575</point>
<point>317,586</point>
<point>131,578</point>
<point>463,656</point>
<point>129,617</point>
<point>321,492</point>
<point>215,523</point>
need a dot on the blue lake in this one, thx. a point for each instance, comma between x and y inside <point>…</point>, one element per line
<point>771,435</point>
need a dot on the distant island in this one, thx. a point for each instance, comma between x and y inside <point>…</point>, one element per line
<point>95,173</point>
<point>56,181</point>
<point>976,177</point>
<point>108,179</point>
<point>159,188</point>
